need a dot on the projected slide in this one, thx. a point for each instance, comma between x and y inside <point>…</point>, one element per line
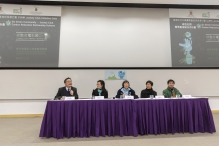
<point>194,38</point>
<point>29,36</point>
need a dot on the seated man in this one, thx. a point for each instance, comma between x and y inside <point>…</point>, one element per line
<point>171,91</point>
<point>68,90</point>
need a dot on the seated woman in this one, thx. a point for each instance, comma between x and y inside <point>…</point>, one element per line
<point>100,90</point>
<point>148,91</point>
<point>126,90</point>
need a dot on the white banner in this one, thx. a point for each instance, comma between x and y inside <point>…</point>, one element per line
<point>36,10</point>
<point>194,13</point>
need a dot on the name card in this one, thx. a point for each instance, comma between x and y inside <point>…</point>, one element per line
<point>99,97</point>
<point>159,97</point>
<point>187,96</point>
<point>129,97</point>
<point>69,98</point>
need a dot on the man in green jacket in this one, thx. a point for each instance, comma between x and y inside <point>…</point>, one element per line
<point>171,91</point>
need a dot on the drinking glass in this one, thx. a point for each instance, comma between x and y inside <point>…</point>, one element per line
<point>151,96</point>
<point>177,96</point>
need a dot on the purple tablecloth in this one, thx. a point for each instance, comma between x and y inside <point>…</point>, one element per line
<point>85,118</point>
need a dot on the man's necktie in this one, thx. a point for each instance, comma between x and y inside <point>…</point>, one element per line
<point>173,93</point>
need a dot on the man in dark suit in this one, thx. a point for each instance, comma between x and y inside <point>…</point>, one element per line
<point>68,90</point>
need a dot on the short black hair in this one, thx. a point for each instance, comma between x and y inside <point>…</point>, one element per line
<point>66,79</point>
<point>126,81</point>
<point>150,82</point>
<point>170,80</point>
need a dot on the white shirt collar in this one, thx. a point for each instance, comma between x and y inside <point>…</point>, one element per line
<point>68,88</point>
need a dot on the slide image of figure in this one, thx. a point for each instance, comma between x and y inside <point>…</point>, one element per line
<point>187,46</point>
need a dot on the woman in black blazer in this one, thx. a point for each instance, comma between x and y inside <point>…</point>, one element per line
<point>100,90</point>
<point>148,91</point>
<point>126,90</point>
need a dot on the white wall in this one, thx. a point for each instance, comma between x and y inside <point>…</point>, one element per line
<point>8,107</point>
<point>214,103</point>
<point>44,84</point>
<point>34,85</point>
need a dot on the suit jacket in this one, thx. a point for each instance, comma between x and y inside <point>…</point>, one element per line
<point>167,93</point>
<point>121,93</point>
<point>96,93</point>
<point>62,92</point>
<point>146,93</point>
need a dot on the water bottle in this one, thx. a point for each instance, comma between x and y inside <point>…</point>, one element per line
<point>92,97</point>
<point>121,96</point>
